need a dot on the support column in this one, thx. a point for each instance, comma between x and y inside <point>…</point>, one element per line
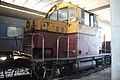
<point>115,16</point>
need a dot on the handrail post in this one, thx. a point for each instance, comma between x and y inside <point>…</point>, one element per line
<point>68,47</point>
<point>57,47</point>
<point>43,44</point>
<point>32,46</point>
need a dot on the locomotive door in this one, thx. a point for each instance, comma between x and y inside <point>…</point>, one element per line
<point>72,22</point>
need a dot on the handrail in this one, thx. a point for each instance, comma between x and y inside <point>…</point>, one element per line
<point>68,45</point>
<point>32,44</point>
<point>58,46</point>
<point>43,44</point>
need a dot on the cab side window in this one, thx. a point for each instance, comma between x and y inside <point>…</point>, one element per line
<point>89,19</point>
<point>86,18</point>
<point>72,14</point>
<point>92,20</point>
<point>53,16</point>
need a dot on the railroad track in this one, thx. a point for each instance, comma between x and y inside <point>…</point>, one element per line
<point>81,74</point>
<point>69,77</point>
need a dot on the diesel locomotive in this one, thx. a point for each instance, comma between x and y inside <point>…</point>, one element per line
<point>67,40</point>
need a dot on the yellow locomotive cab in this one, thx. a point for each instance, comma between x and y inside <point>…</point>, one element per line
<point>65,18</point>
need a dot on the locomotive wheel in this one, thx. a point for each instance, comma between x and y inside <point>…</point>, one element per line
<point>55,72</point>
<point>38,72</point>
<point>33,75</point>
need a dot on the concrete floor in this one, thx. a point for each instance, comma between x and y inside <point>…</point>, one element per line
<point>102,75</point>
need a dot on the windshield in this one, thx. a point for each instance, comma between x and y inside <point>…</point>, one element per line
<point>63,14</point>
<point>53,16</point>
<point>60,15</point>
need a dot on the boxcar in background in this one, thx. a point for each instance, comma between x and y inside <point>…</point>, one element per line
<point>10,31</point>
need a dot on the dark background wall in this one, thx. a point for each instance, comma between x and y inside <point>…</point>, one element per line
<point>8,43</point>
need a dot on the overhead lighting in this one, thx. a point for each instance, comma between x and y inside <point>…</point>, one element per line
<point>22,10</point>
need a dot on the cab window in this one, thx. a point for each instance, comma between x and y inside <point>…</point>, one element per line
<point>86,18</point>
<point>53,16</point>
<point>72,14</point>
<point>89,19</point>
<point>63,14</point>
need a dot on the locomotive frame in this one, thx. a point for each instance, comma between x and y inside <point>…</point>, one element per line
<point>72,45</point>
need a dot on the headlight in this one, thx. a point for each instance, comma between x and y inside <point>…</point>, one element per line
<point>3,58</point>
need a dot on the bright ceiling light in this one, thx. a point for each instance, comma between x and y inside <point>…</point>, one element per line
<point>22,10</point>
<point>9,1</point>
<point>19,2</point>
<point>66,0</point>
